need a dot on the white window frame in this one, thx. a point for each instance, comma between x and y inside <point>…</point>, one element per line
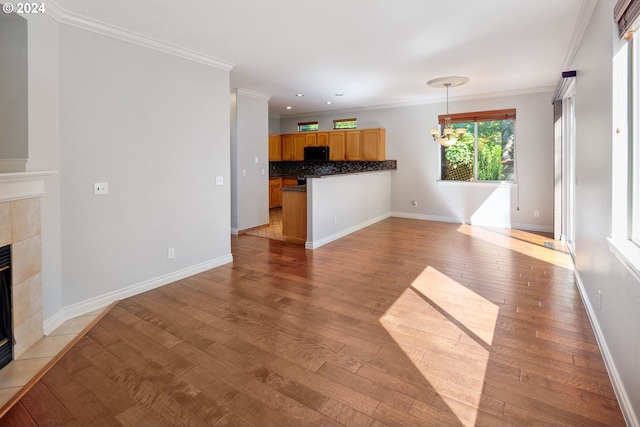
<point>625,196</point>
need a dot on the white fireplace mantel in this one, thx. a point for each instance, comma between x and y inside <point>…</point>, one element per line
<point>22,185</point>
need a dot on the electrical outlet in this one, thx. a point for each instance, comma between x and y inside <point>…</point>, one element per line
<point>414,203</point>
<point>536,213</point>
<point>219,180</point>
<point>100,188</point>
<point>244,172</point>
<point>171,253</point>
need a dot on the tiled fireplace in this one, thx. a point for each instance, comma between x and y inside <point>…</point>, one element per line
<point>20,227</point>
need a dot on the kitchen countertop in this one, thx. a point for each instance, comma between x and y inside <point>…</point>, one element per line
<point>301,188</point>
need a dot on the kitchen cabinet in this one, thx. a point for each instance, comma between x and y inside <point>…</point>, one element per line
<point>310,139</point>
<point>275,148</point>
<point>294,215</point>
<point>287,147</point>
<point>322,138</point>
<point>373,144</point>
<point>289,182</point>
<point>299,140</point>
<point>336,145</point>
<point>353,145</point>
<point>275,194</point>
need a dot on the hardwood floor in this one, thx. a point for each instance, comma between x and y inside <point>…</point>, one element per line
<point>403,323</point>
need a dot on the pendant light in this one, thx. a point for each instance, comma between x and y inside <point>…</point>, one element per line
<point>449,135</point>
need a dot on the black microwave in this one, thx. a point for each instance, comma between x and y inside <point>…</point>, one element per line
<point>316,154</point>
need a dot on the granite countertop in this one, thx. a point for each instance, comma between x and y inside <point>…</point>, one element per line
<point>301,188</point>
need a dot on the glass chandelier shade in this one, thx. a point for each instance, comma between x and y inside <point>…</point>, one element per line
<point>449,135</point>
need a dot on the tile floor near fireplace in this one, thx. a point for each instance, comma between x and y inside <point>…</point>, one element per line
<point>20,371</point>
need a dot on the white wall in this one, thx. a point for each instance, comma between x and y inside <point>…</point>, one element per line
<point>44,150</point>
<point>156,128</point>
<point>409,142</point>
<point>249,141</point>
<point>13,87</point>
<point>341,204</point>
<point>597,269</point>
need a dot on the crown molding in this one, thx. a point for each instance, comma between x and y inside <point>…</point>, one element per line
<point>251,93</point>
<point>425,101</point>
<point>72,19</point>
<point>584,17</point>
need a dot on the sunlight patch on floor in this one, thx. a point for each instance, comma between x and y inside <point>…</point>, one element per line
<point>446,330</point>
<point>525,243</point>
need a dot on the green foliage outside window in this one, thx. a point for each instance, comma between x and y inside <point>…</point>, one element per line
<point>495,152</point>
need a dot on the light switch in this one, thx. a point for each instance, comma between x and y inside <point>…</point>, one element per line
<point>219,180</point>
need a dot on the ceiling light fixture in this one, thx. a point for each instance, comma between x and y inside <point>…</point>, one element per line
<point>328,102</point>
<point>288,107</point>
<point>449,135</point>
<point>299,94</point>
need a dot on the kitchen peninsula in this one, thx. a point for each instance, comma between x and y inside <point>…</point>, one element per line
<point>348,182</point>
<point>341,197</point>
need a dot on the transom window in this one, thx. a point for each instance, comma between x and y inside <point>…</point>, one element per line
<point>486,152</point>
<point>307,126</point>
<point>345,123</point>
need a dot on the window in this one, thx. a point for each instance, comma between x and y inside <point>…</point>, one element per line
<point>486,152</point>
<point>345,123</point>
<point>634,134</point>
<point>307,126</point>
<point>625,171</point>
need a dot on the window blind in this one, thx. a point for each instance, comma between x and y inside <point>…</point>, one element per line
<point>625,15</point>
<point>479,116</point>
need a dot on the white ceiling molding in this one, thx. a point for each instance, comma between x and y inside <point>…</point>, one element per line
<point>64,17</point>
<point>586,11</point>
<point>429,101</point>
<point>251,93</point>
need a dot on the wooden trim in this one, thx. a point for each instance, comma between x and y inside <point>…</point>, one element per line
<point>6,267</point>
<point>479,116</point>
<point>19,395</point>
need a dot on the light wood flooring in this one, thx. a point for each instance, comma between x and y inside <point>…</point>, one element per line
<point>273,230</point>
<point>404,323</point>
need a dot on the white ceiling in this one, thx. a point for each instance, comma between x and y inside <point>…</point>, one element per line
<point>375,52</point>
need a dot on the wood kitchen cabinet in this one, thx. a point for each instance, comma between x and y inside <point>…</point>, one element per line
<point>294,216</point>
<point>289,182</point>
<point>373,144</point>
<point>299,140</point>
<point>275,148</point>
<point>322,138</point>
<point>310,139</point>
<point>287,147</point>
<point>336,146</point>
<point>275,194</point>
<point>365,144</point>
<point>353,145</point>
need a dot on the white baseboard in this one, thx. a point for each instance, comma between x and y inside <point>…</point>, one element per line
<point>234,231</point>
<point>525,227</point>
<point>335,236</point>
<point>86,306</point>
<point>630,416</point>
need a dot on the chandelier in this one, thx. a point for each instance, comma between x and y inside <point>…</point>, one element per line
<point>449,135</point>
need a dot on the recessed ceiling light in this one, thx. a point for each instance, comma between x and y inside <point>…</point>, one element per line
<point>288,107</point>
<point>339,94</point>
<point>329,102</point>
<point>299,94</point>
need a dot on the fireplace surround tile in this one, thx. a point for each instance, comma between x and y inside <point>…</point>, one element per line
<point>26,259</point>
<point>25,219</point>
<point>5,223</point>
<point>29,290</point>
